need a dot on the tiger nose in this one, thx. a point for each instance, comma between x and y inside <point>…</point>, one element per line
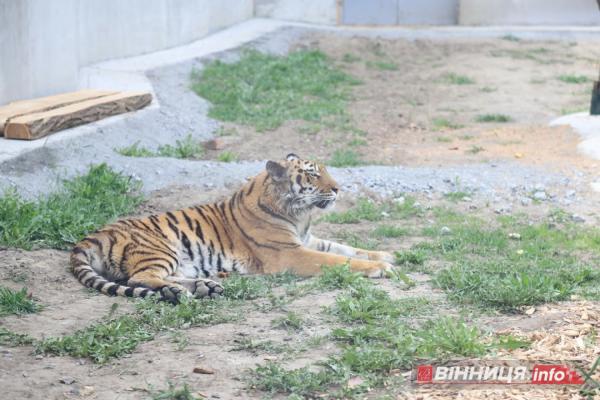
<point>334,190</point>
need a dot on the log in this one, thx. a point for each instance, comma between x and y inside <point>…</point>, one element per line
<point>37,125</point>
<point>19,108</point>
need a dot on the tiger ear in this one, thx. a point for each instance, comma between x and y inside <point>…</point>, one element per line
<point>292,157</point>
<point>276,171</point>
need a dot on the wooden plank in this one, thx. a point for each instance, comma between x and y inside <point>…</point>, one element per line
<point>37,125</point>
<point>18,108</point>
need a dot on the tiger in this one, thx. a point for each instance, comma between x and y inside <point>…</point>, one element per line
<point>263,228</point>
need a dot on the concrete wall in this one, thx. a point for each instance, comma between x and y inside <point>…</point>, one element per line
<point>400,12</point>
<point>44,43</point>
<point>529,12</point>
<point>314,11</point>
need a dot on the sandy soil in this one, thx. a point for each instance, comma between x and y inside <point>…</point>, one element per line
<point>68,306</point>
<point>398,108</point>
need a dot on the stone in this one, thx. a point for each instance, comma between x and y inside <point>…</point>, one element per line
<point>540,195</point>
<point>445,230</point>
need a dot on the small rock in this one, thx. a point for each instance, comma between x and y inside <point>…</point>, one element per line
<point>355,381</point>
<point>525,201</point>
<point>400,200</point>
<point>571,332</point>
<point>67,380</point>
<point>214,144</point>
<point>520,252</point>
<point>473,207</point>
<point>385,214</point>
<point>577,218</point>
<point>445,230</point>
<point>514,235</point>
<point>467,199</point>
<point>570,193</point>
<point>202,370</point>
<point>86,391</point>
<point>530,311</point>
<point>540,195</point>
<point>539,187</point>
<point>503,210</point>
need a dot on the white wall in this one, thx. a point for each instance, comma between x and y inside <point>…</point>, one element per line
<point>314,11</point>
<point>529,12</point>
<point>44,43</point>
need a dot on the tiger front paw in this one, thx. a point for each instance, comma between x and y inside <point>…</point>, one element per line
<point>382,270</point>
<point>382,256</point>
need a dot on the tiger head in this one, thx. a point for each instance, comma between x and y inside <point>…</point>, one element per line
<point>303,184</point>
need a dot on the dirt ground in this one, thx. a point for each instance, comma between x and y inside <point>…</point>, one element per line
<point>68,306</point>
<point>398,109</point>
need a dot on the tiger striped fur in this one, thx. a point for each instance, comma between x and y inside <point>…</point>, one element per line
<point>263,228</point>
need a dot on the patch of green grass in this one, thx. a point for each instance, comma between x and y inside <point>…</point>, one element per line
<point>574,79</point>
<point>367,210</point>
<point>273,378</point>
<point>8,338</point>
<point>227,156</point>
<point>466,137</point>
<point>574,109</point>
<point>345,158</point>
<point>292,321</point>
<point>173,392</point>
<point>264,91</point>
<point>357,142</point>
<point>510,38</point>
<point>475,149</point>
<point>187,148</point>
<point>410,257</point>
<point>350,58</point>
<point>446,337</point>
<point>16,302</point>
<point>488,269</point>
<point>256,346</point>
<point>390,231</point>
<point>338,277</point>
<point>118,336</point>
<point>383,65</point>
<point>493,118</point>
<point>442,123</point>
<point>60,219</point>
<point>488,89</point>
<point>354,240</point>
<point>443,139</point>
<point>135,151</point>
<point>457,195</point>
<point>456,79</point>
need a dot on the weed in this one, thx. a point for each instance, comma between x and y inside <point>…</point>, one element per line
<point>84,204</point>
<point>16,302</point>
<point>345,158</point>
<point>354,240</point>
<point>350,58</point>
<point>475,149</point>
<point>339,277</point>
<point>255,346</point>
<point>466,137</point>
<point>443,139</point>
<point>187,148</point>
<point>457,195</point>
<point>273,378</point>
<point>511,38</point>
<point>118,336</point>
<point>383,65</point>
<point>456,79</point>
<point>227,156</point>
<point>444,337</point>
<point>365,210</point>
<point>8,338</point>
<point>575,79</point>
<point>493,118</point>
<point>357,142</point>
<point>135,151</point>
<point>174,393</point>
<point>410,257</point>
<point>292,321</point>
<point>442,123</point>
<point>389,231</point>
<point>263,90</point>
